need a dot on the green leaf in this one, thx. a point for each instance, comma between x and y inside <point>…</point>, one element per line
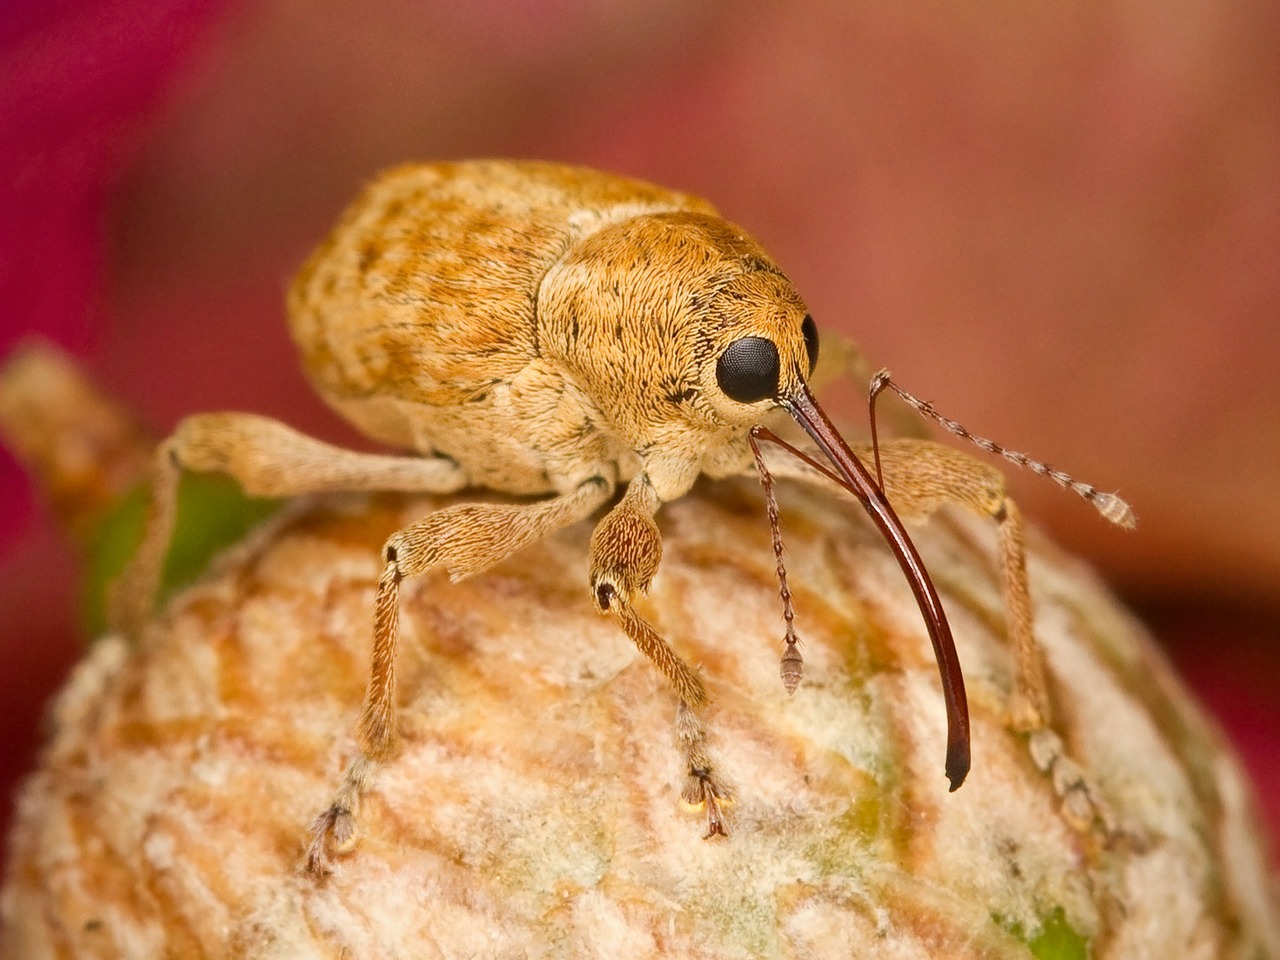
<point>213,513</point>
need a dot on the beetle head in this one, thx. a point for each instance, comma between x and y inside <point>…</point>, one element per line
<point>759,345</point>
<point>679,326</point>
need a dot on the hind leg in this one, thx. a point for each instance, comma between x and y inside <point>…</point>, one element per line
<point>268,459</point>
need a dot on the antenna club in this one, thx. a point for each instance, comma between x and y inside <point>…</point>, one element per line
<point>792,669</point>
<point>1115,509</point>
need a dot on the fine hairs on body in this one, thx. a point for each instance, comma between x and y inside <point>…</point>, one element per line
<point>557,332</point>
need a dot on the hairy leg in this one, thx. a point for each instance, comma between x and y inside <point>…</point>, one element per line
<point>625,552</point>
<point>920,476</point>
<point>463,540</point>
<point>267,458</point>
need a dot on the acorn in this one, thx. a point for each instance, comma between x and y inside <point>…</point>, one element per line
<point>533,807</point>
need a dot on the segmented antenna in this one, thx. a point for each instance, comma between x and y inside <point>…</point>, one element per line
<point>792,668</point>
<point>1108,504</point>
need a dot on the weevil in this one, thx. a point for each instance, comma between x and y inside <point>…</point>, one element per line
<point>560,333</point>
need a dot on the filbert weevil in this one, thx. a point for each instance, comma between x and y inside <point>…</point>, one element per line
<point>556,332</point>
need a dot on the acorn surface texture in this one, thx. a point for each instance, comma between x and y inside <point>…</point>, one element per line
<point>532,808</point>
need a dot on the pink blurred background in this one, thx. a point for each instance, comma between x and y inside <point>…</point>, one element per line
<point>1061,222</point>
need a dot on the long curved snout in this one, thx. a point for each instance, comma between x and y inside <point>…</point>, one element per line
<point>855,477</point>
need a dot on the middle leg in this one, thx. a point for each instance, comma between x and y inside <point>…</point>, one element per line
<point>463,540</point>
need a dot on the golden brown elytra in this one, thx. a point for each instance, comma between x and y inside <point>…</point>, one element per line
<point>550,330</point>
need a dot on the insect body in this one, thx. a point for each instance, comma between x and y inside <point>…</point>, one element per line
<point>555,331</point>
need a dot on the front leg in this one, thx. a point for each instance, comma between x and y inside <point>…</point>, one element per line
<point>626,549</point>
<point>921,476</point>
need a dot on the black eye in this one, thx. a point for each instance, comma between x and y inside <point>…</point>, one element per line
<point>747,371</point>
<point>810,331</point>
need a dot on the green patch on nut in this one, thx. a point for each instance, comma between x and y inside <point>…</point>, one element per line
<point>1055,939</point>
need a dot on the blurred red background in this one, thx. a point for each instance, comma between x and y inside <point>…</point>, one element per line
<point>1061,222</point>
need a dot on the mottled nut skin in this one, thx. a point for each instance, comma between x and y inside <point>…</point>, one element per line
<point>529,812</point>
